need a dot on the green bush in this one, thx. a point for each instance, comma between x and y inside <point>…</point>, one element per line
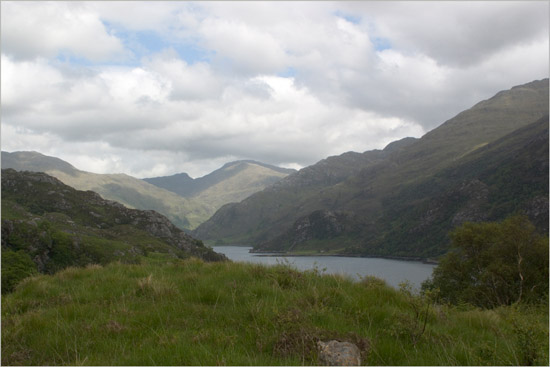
<point>15,267</point>
<point>493,264</point>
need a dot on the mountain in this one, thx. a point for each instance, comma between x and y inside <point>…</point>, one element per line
<point>259,175</point>
<point>233,182</point>
<point>361,211</point>
<point>36,162</point>
<point>504,177</point>
<point>56,226</point>
<point>130,191</point>
<point>279,203</point>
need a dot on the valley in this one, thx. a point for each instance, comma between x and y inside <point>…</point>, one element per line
<point>275,183</point>
<point>109,269</point>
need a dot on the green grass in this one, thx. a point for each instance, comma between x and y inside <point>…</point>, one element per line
<point>169,311</point>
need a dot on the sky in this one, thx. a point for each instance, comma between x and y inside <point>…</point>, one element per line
<point>158,88</point>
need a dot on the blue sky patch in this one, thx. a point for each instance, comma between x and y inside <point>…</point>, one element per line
<point>381,44</point>
<point>289,72</point>
<point>67,57</point>
<point>146,42</point>
<point>350,18</point>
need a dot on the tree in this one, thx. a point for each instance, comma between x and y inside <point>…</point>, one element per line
<point>493,264</point>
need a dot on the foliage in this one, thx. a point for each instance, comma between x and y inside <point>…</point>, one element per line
<point>414,326</point>
<point>16,266</point>
<point>493,264</point>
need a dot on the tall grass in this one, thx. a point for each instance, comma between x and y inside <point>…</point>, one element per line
<point>187,312</point>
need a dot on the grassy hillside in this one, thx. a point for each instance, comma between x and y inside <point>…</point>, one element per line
<point>365,193</point>
<point>186,312</point>
<point>47,226</point>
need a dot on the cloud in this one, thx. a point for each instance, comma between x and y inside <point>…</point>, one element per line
<point>458,34</point>
<point>187,82</point>
<point>186,87</point>
<point>243,49</point>
<point>39,29</point>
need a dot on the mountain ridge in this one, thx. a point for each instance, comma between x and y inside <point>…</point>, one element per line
<point>262,217</point>
<point>185,212</point>
<point>183,185</point>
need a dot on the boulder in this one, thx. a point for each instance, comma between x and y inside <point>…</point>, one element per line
<point>335,353</point>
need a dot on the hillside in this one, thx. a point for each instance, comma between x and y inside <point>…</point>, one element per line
<point>186,312</point>
<point>56,226</point>
<point>507,176</point>
<point>363,195</point>
<point>287,193</point>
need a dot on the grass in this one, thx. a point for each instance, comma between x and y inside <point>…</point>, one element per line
<point>186,312</point>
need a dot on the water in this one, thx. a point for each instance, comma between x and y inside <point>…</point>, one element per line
<point>392,271</point>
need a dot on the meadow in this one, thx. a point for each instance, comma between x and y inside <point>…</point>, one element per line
<point>166,311</point>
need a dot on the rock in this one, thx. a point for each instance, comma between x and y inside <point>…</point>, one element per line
<point>335,353</point>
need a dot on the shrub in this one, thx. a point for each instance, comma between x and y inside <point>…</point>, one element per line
<point>15,267</point>
<point>493,264</point>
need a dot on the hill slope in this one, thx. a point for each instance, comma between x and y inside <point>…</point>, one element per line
<point>362,195</point>
<point>288,194</point>
<point>57,226</point>
<point>504,177</point>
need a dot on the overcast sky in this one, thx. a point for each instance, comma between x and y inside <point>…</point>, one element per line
<point>158,88</point>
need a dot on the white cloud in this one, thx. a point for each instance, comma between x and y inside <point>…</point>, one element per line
<point>40,29</point>
<point>187,82</point>
<point>164,114</point>
<point>455,33</point>
<point>246,49</point>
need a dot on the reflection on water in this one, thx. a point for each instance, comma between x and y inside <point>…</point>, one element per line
<point>392,271</point>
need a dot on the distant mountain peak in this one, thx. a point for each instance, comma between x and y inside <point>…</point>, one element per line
<point>399,144</point>
<point>36,162</point>
<point>253,162</point>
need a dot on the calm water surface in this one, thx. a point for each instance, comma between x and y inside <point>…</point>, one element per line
<point>392,271</point>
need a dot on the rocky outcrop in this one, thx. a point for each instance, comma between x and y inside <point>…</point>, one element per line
<point>41,193</point>
<point>537,211</point>
<point>476,194</point>
<point>320,224</point>
<point>335,353</point>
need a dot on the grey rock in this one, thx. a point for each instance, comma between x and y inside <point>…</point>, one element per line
<point>335,353</point>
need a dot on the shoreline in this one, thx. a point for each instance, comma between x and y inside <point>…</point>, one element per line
<point>400,258</point>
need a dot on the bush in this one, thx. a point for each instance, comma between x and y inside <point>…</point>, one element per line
<point>493,264</point>
<point>15,267</point>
